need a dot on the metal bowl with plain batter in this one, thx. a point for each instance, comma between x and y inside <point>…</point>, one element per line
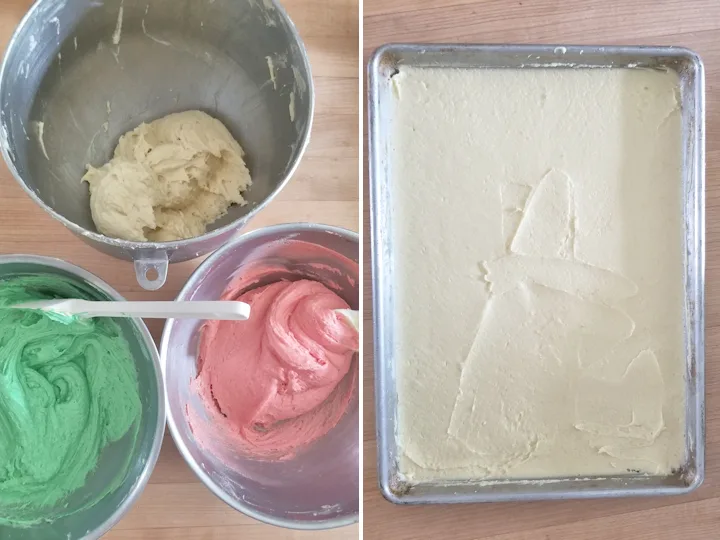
<point>93,522</point>
<point>78,74</point>
<point>319,487</point>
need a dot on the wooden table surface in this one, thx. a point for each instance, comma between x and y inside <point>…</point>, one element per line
<point>690,23</point>
<point>175,504</point>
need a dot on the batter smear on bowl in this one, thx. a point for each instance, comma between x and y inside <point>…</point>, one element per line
<point>280,380</point>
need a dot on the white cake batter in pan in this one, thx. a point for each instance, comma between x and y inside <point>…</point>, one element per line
<point>538,252</point>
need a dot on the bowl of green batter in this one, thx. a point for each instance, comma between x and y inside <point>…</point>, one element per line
<point>82,409</point>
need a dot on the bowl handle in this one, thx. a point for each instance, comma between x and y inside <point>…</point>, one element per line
<point>151,270</point>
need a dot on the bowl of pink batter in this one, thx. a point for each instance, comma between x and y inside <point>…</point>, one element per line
<point>266,411</point>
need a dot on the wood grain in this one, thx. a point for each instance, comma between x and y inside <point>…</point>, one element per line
<point>176,505</point>
<point>689,23</point>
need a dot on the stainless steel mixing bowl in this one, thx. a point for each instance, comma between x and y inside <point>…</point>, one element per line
<point>319,488</point>
<point>93,522</point>
<point>78,74</point>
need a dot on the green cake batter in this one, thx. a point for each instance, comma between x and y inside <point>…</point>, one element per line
<point>67,390</point>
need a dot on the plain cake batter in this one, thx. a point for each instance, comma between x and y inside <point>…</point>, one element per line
<point>539,225</point>
<point>168,180</point>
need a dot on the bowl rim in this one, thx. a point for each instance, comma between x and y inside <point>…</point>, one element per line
<point>142,480</point>
<point>216,234</point>
<point>288,229</point>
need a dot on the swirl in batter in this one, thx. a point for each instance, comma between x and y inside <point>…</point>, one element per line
<point>67,390</point>
<point>279,381</point>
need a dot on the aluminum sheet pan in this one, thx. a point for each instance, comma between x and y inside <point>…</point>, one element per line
<point>383,65</point>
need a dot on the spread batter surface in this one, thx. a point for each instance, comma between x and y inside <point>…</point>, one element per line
<point>67,390</point>
<point>168,180</point>
<point>538,221</point>
<point>280,380</point>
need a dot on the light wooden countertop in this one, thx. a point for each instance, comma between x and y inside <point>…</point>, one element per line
<point>175,504</point>
<point>689,23</point>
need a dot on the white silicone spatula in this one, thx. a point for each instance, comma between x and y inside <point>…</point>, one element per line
<point>351,316</point>
<point>83,309</point>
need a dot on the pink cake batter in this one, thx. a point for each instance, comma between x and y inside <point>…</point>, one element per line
<point>278,381</point>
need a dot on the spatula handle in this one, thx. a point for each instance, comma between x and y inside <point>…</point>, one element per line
<point>221,310</point>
